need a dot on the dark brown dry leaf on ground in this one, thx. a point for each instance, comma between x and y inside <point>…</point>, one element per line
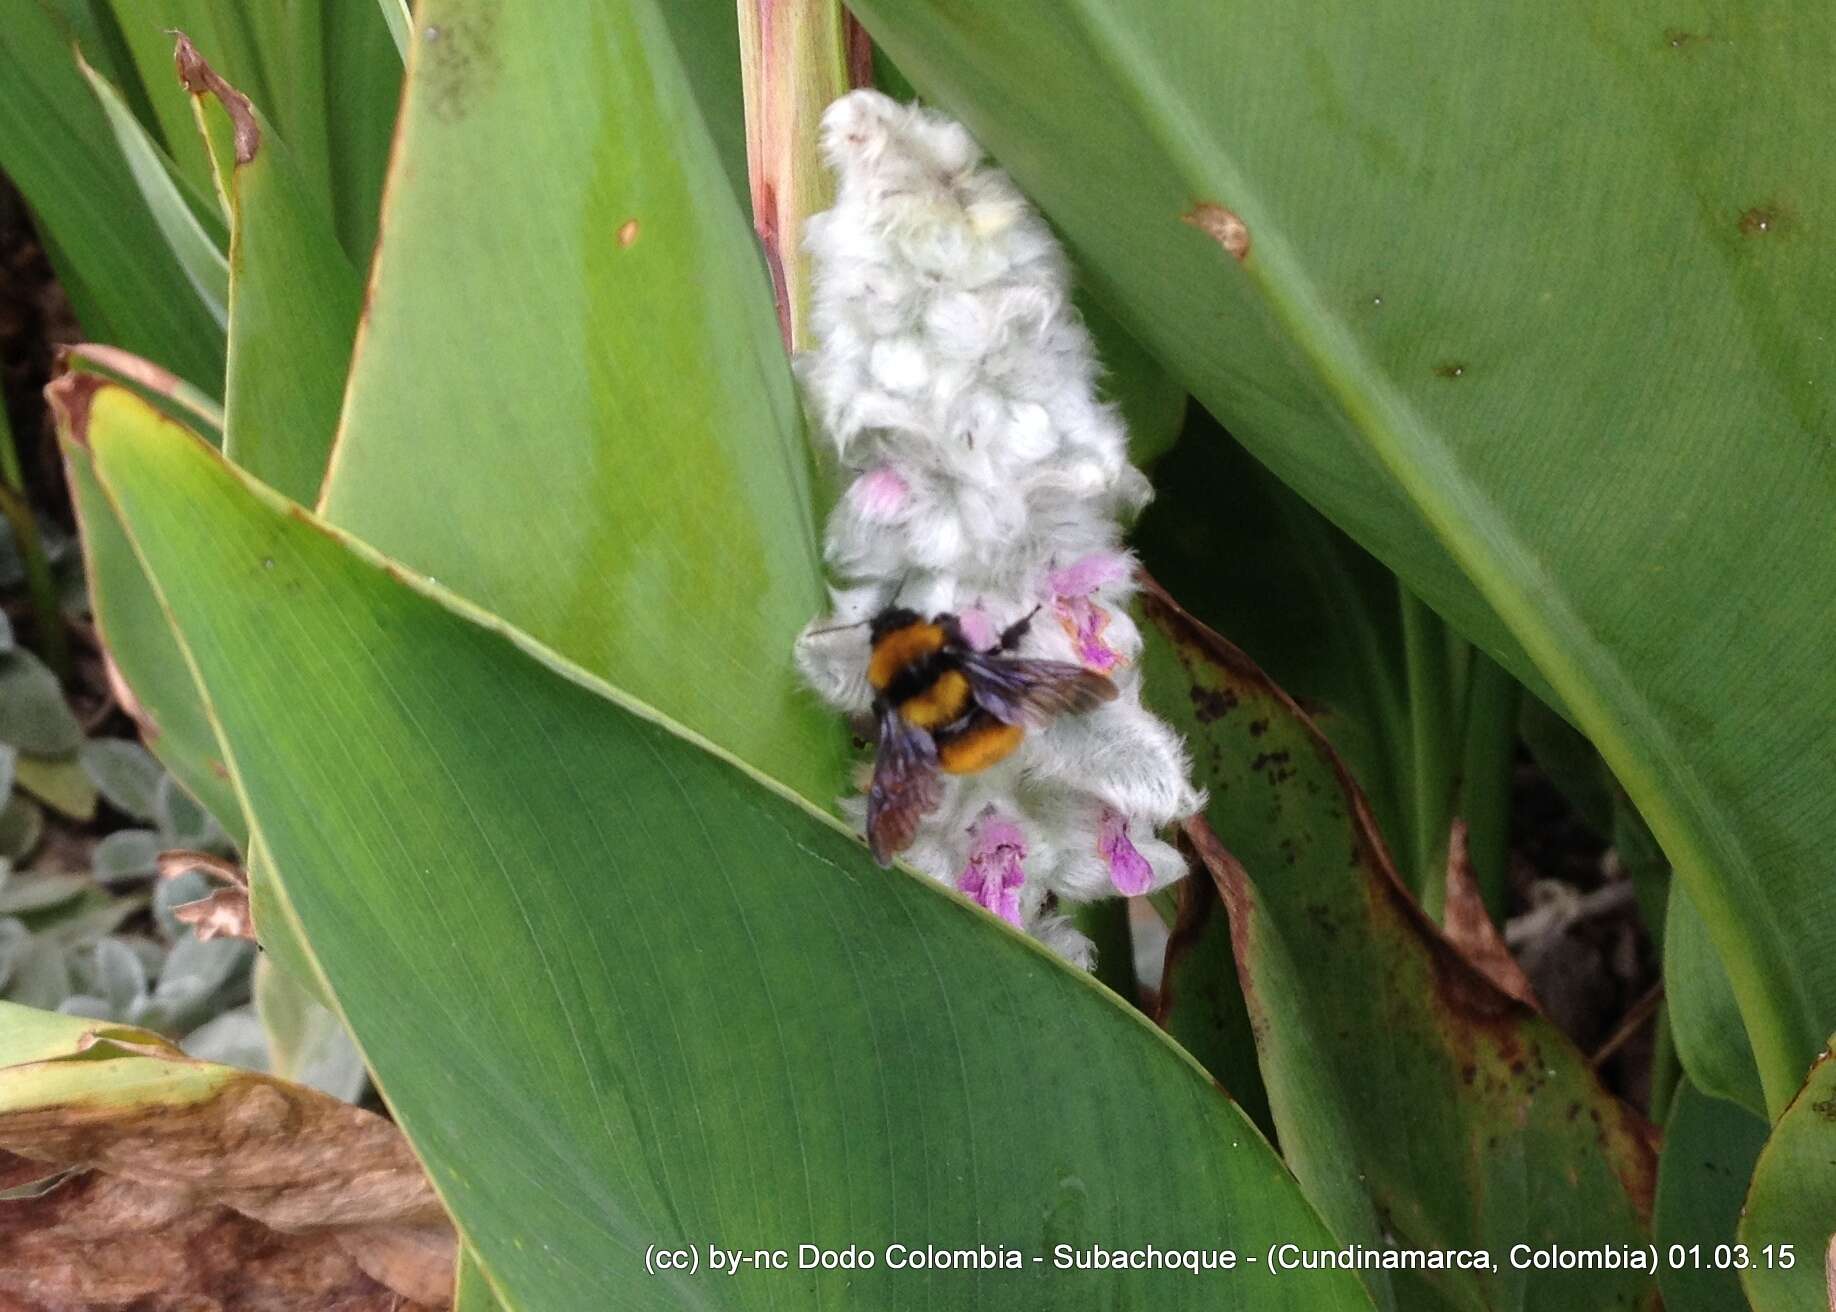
<point>1469,926</point>
<point>274,1171</point>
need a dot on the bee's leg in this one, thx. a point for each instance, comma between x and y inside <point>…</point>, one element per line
<point>1011,635</point>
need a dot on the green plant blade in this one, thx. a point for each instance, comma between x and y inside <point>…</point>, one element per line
<point>1788,1224</point>
<point>294,296</point>
<point>1704,1016</point>
<point>586,369</point>
<point>196,250</point>
<point>1417,1103</point>
<point>1434,334</point>
<point>357,94</point>
<point>160,693</point>
<point>621,992</point>
<point>401,24</point>
<point>56,147</point>
<point>1709,1150</point>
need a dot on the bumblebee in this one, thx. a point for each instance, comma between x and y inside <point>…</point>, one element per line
<point>943,706</point>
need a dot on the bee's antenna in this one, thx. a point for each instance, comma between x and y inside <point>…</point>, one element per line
<point>838,628</point>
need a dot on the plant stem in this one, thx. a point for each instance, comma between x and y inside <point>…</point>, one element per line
<point>1428,673</point>
<point>1489,743</point>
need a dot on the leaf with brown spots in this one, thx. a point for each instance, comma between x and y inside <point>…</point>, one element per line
<point>202,1181</point>
<point>1792,1200</point>
<point>1418,1103</point>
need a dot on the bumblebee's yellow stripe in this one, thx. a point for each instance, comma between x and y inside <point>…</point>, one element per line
<point>942,703</point>
<point>979,746</point>
<point>899,649</point>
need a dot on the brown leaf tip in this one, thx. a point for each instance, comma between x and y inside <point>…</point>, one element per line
<point>200,79</point>
<point>70,398</point>
<point>1222,226</point>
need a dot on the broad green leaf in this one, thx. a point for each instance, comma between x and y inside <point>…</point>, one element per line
<point>56,147</point>
<point>294,297</point>
<point>198,251</point>
<point>620,991</point>
<point>471,1292</point>
<point>570,356</point>
<point>1393,249</point>
<point>1788,1224</point>
<point>1709,1150</point>
<point>162,696</point>
<point>358,93</point>
<point>1418,1104</point>
<point>1705,1020</point>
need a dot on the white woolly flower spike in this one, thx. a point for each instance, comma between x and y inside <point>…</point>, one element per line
<point>958,387</point>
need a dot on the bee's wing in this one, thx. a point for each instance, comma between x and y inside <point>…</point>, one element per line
<point>905,786</point>
<point>1018,690</point>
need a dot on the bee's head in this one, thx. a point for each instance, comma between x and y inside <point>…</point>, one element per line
<point>891,620</point>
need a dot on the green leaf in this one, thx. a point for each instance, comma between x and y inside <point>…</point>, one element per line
<point>22,895</point>
<point>306,1042</point>
<point>124,773</point>
<point>471,1291</point>
<point>620,991</point>
<point>34,717</point>
<point>1704,1017</point>
<point>22,824</point>
<point>1789,1221</point>
<point>587,370</point>
<point>294,298</point>
<point>59,784</point>
<point>358,93</point>
<point>1709,1150</point>
<point>127,855</point>
<point>163,698</point>
<point>401,23</point>
<point>56,147</point>
<point>1418,1105</point>
<point>1434,334</point>
<point>198,252</point>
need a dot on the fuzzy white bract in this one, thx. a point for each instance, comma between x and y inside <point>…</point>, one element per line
<point>958,386</point>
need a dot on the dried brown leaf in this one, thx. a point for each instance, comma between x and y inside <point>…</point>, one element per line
<point>210,1149</point>
<point>224,914</point>
<point>1469,926</point>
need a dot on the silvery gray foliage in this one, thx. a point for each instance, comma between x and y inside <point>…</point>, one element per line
<point>957,385</point>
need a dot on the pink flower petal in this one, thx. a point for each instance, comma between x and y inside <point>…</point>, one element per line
<point>1128,869</point>
<point>978,628</point>
<point>995,872</point>
<point>1070,590</point>
<point>1085,575</point>
<point>1085,621</point>
<point>880,493</point>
